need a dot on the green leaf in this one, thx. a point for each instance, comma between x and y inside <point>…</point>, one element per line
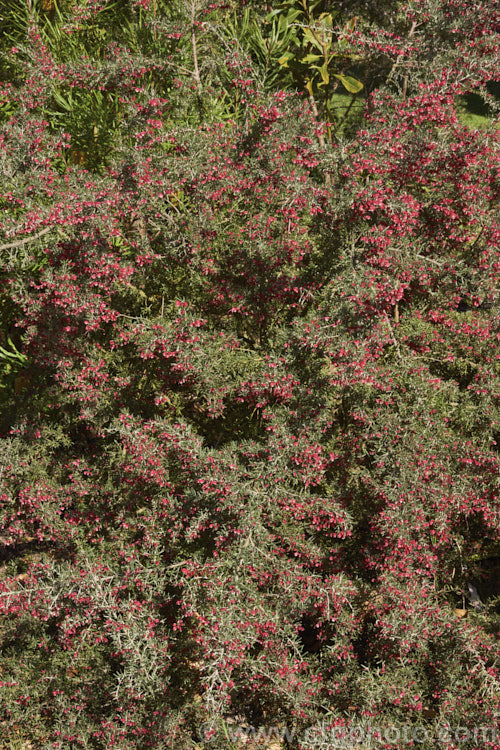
<point>13,353</point>
<point>311,58</point>
<point>325,75</point>
<point>272,15</point>
<point>64,103</point>
<point>292,15</point>
<point>352,85</point>
<point>311,38</point>
<point>284,59</point>
<point>326,20</point>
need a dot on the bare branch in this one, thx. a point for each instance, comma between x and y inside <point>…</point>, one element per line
<point>19,243</point>
<point>193,44</point>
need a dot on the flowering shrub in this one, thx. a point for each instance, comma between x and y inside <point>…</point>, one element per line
<point>249,384</point>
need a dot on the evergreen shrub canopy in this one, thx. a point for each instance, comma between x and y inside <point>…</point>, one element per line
<point>249,382</point>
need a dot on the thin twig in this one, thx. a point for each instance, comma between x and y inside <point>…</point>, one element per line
<point>193,45</point>
<point>392,335</point>
<point>399,58</point>
<point>430,260</point>
<point>314,107</point>
<point>321,137</point>
<point>18,243</point>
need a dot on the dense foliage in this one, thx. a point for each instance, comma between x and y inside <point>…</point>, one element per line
<point>249,382</point>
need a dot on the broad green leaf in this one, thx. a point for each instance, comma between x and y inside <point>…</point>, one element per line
<point>293,15</point>
<point>326,20</point>
<point>311,38</point>
<point>284,59</point>
<point>352,85</point>
<point>311,58</point>
<point>325,75</point>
